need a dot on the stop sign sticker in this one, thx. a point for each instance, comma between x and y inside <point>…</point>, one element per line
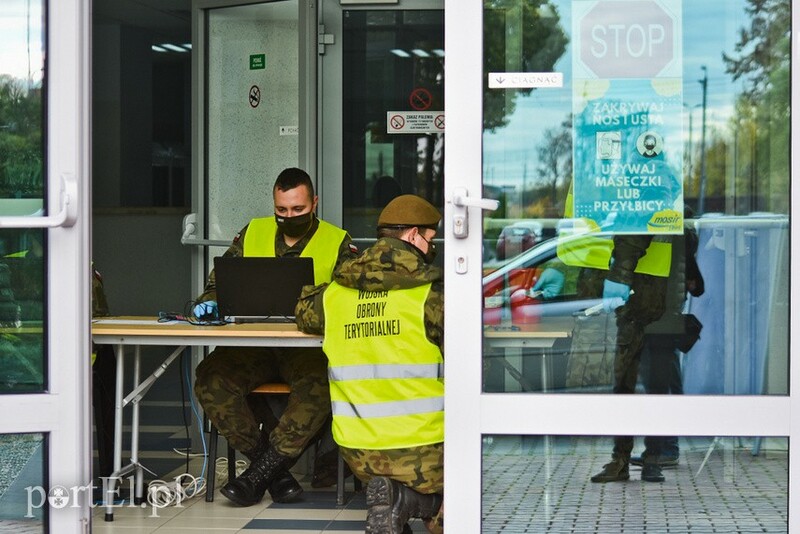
<point>628,39</point>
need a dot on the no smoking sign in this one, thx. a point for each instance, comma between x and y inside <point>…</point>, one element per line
<point>411,122</point>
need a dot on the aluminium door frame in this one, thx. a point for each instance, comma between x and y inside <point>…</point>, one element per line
<point>470,414</point>
<point>63,410</point>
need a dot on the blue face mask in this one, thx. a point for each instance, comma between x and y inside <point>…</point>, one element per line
<point>295,226</point>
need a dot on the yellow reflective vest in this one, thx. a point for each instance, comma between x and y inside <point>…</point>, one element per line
<point>386,379</point>
<point>587,250</point>
<point>323,245</point>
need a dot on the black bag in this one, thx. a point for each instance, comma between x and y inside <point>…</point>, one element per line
<point>691,333</point>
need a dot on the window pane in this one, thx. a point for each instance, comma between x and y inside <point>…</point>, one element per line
<point>393,67</point>
<point>664,143</point>
<point>22,169</point>
<point>23,491</point>
<point>723,484</point>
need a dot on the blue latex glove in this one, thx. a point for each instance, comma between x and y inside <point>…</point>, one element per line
<point>614,295</point>
<point>550,283</point>
<point>206,310</point>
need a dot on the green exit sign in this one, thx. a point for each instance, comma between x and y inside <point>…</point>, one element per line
<point>258,61</point>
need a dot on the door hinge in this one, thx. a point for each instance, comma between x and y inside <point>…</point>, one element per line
<point>323,39</point>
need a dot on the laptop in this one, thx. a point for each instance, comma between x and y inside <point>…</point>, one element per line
<point>261,289</point>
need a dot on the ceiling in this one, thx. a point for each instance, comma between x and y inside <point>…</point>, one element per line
<point>167,20</point>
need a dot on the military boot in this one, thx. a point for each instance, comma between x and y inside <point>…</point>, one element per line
<point>651,470</point>
<point>390,505</point>
<point>248,488</point>
<point>614,471</point>
<point>285,488</point>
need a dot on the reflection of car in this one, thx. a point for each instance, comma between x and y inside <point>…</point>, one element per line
<point>517,238</point>
<point>508,289</point>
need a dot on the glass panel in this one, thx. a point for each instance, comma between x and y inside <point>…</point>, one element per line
<point>22,170</point>
<point>253,110</point>
<point>658,133</point>
<point>722,484</point>
<point>23,493</point>
<point>22,301</point>
<point>393,112</point>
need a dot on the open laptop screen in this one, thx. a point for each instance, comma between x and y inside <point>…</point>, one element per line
<point>261,289</point>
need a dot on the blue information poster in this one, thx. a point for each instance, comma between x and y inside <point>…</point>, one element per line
<point>627,112</point>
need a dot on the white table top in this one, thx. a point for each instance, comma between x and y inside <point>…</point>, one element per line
<point>133,330</point>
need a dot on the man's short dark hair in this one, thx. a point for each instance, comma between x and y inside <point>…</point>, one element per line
<point>293,177</point>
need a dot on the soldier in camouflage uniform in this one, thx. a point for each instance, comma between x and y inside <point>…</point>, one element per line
<point>405,481</point>
<point>644,306</point>
<point>225,378</point>
<point>104,372</point>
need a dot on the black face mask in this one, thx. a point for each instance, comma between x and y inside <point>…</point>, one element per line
<point>294,226</point>
<point>431,254</point>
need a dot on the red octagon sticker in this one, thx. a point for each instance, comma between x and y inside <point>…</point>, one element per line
<point>633,39</point>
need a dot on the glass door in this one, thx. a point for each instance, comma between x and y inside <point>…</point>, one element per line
<point>610,129</point>
<point>382,107</point>
<point>45,435</point>
<point>254,110</point>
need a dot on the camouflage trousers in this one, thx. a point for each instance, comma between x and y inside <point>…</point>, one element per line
<point>625,336</point>
<point>419,468</point>
<point>225,378</point>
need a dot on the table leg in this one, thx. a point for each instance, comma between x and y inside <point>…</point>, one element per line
<point>137,365</point>
<point>111,482</point>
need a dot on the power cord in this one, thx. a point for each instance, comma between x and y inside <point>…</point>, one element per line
<point>188,317</point>
<point>160,493</point>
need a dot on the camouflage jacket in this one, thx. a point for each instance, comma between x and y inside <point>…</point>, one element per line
<point>347,251</point>
<point>388,264</point>
<point>627,251</point>
<point>99,302</point>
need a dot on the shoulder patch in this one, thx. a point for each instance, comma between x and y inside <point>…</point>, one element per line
<point>353,248</point>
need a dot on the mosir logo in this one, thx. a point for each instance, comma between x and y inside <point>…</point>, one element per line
<point>633,39</point>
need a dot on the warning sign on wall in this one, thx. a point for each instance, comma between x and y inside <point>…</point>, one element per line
<point>412,122</point>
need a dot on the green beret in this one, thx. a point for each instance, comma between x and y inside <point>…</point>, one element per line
<point>409,210</point>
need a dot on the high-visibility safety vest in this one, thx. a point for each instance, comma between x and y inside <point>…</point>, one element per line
<point>595,251</point>
<point>386,379</point>
<point>259,241</point>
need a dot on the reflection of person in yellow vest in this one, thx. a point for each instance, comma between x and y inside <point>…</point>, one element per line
<point>579,248</point>
<point>630,273</point>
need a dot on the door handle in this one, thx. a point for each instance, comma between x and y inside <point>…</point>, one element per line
<point>65,218</point>
<point>189,235</point>
<point>462,201</point>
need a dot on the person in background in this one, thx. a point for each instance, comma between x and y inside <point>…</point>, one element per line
<point>104,372</point>
<point>226,377</point>
<point>638,299</point>
<point>660,369</point>
<point>382,317</point>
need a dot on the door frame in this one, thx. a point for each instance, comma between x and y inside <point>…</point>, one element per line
<point>62,411</point>
<point>329,76</point>
<point>469,413</point>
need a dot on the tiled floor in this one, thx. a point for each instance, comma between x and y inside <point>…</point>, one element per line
<point>318,512</point>
<point>528,491</point>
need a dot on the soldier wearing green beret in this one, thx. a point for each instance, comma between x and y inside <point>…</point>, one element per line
<point>382,317</point>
